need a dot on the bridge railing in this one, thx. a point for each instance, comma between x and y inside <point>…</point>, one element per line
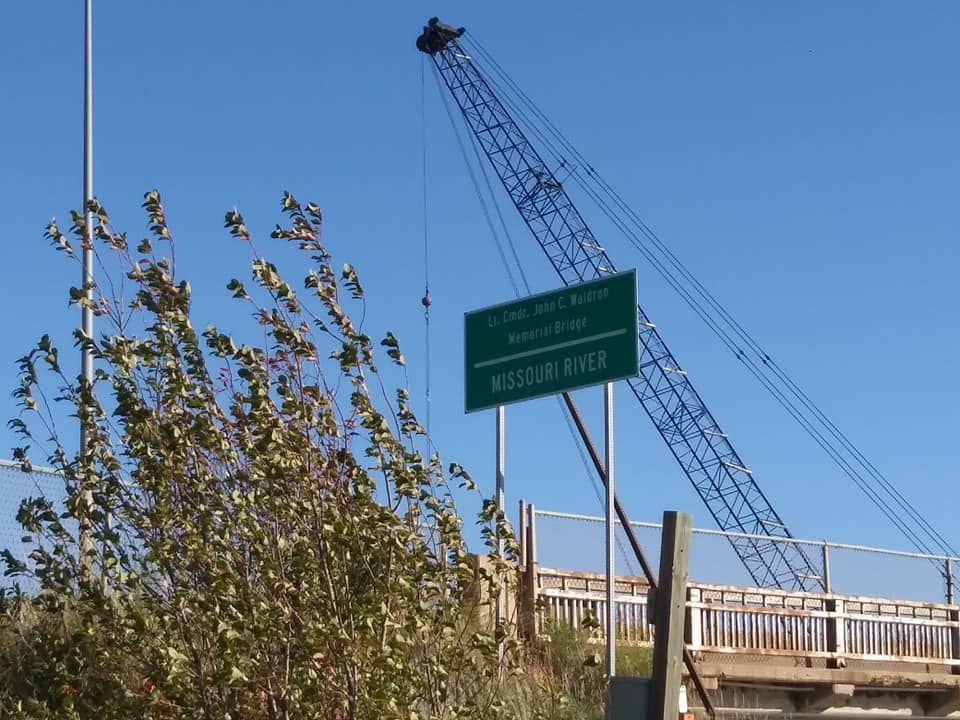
<point>575,541</point>
<point>837,627</point>
<point>751,621</point>
<point>735,619</point>
<point>569,598</point>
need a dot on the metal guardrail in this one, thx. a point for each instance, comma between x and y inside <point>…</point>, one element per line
<point>943,565</point>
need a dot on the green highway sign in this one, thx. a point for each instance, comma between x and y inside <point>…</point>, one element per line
<point>545,344</point>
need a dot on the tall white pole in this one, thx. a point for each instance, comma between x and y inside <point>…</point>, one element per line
<point>611,530</point>
<point>86,313</point>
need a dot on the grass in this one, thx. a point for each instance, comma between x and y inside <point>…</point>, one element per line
<point>565,678</point>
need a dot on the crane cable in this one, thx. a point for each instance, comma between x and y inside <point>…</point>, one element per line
<point>755,370</point>
<point>426,301</point>
<point>627,557</point>
<point>764,359</point>
<point>483,204</point>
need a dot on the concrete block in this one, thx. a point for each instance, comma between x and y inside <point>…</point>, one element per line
<point>628,698</point>
<point>828,696</point>
<point>943,703</point>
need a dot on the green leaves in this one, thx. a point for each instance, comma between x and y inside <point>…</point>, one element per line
<point>393,349</point>
<point>313,210</point>
<point>458,473</point>
<point>290,204</point>
<point>57,238</point>
<point>352,281</point>
<point>233,221</point>
<point>236,287</point>
<point>158,219</point>
<point>278,545</point>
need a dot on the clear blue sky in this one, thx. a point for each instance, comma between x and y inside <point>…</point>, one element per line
<point>804,161</point>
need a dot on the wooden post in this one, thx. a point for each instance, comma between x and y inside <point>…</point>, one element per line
<point>669,616</point>
<point>529,621</point>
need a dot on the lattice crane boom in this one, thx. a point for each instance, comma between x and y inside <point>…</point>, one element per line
<point>704,452</point>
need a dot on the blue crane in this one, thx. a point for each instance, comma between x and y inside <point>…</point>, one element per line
<point>723,481</point>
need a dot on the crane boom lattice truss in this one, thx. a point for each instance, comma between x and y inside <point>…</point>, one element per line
<point>703,451</point>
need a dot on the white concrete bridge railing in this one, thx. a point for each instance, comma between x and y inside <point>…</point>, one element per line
<point>727,620</point>
<point>829,630</point>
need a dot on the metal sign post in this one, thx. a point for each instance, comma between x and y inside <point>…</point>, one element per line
<point>574,337</point>
<point>611,531</point>
<point>501,470</point>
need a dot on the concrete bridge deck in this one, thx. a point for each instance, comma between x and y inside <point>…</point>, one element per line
<point>774,652</point>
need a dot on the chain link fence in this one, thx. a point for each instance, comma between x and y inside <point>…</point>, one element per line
<point>570,541</point>
<point>15,486</point>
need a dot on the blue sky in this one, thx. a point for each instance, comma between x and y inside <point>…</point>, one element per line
<point>801,160</point>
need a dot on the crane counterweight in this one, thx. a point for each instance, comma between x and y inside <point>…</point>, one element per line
<point>436,35</point>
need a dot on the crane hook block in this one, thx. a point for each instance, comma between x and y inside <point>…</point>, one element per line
<point>436,35</point>
<point>427,301</point>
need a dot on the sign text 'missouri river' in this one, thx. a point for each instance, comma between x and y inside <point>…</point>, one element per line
<point>577,336</point>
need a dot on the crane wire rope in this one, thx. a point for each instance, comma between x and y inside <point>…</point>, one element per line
<point>515,285</point>
<point>476,185</point>
<point>763,357</point>
<point>776,392</point>
<point>427,301</point>
<point>781,398</point>
<point>730,344</point>
<point>672,258</point>
<point>804,422</point>
<point>740,526</point>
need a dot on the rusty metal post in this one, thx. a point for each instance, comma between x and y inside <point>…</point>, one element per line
<point>949,573</point>
<point>532,535</point>
<point>501,471</point>
<point>635,545</point>
<point>836,632</point>
<point>826,567</point>
<point>523,535</point>
<point>611,529</point>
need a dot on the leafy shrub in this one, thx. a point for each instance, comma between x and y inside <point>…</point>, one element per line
<point>251,531</point>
